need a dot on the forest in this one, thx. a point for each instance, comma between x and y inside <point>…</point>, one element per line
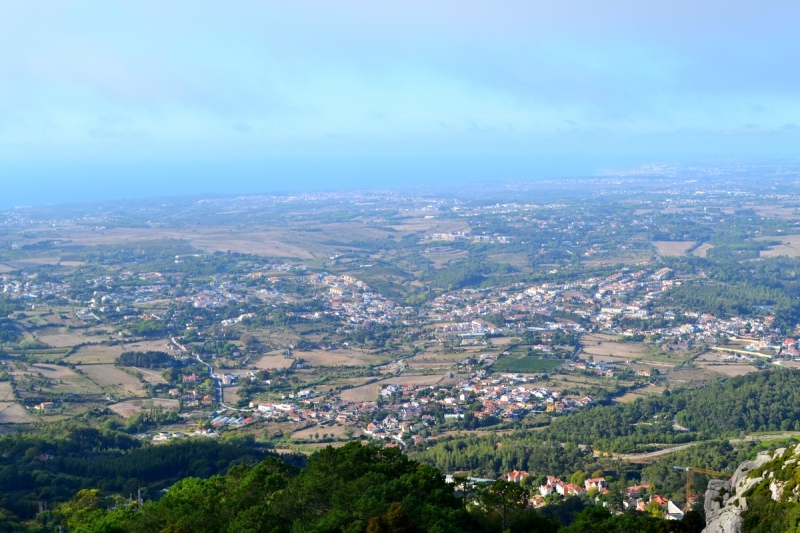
<point>355,488</point>
<point>148,359</point>
<point>57,460</point>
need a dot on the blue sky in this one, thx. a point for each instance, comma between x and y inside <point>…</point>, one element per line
<point>111,99</point>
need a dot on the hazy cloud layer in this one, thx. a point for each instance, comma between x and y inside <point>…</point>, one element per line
<point>533,86</point>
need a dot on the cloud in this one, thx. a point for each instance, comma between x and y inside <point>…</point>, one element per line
<point>405,79</point>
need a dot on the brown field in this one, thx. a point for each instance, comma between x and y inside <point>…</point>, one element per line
<point>258,244</point>
<point>690,377</point>
<point>338,383</point>
<point>702,250</point>
<point>775,211</point>
<point>131,407</point>
<point>150,376</point>
<point>283,242</point>
<point>407,379</point>
<point>335,357</point>
<point>519,260</point>
<point>276,336</point>
<point>53,319</point>
<point>628,397</point>
<point>6,392</point>
<point>5,268</point>
<point>34,261</point>
<point>334,430</point>
<point>113,380</point>
<point>55,372</point>
<point>265,243</point>
<point>790,246</point>
<point>624,259</point>
<point>438,361</point>
<point>729,369</point>
<point>14,413</point>
<point>96,354</point>
<point>429,225</point>
<point>230,395</point>
<point>441,256</point>
<point>64,379</point>
<point>273,361</point>
<point>103,354</point>
<point>673,248</point>
<point>364,393</point>
<point>369,393</point>
<point>601,346</point>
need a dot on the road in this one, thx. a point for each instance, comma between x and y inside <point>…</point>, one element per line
<point>218,387</point>
<point>650,456</point>
<point>215,379</point>
<point>647,457</point>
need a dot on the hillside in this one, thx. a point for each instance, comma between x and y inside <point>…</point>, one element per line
<point>765,401</point>
<point>763,496</point>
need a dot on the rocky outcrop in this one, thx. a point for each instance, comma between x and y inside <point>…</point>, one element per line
<point>725,501</point>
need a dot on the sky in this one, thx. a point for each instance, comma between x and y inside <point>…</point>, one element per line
<point>103,100</point>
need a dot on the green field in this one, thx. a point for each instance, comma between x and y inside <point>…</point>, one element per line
<point>526,364</point>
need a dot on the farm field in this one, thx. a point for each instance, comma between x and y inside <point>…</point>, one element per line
<point>526,364</point>
<point>336,357</point>
<point>519,260</point>
<point>628,397</point>
<point>230,395</point>
<point>369,393</point>
<point>438,361</point>
<point>638,259</point>
<point>104,354</point>
<point>364,393</point>
<point>113,380</point>
<point>14,413</point>
<point>443,255</point>
<point>702,250</point>
<point>268,361</point>
<point>605,346</point>
<point>334,431</point>
<point>729,369</point>
<point>55,372</point>
<point>6,392</point>
<point>790,246</point>
<point>409,379</point>
<point>62,339</point>
<point>148,375</point>
<point>673,248</point>
<point>639,393</point>
<point>690,377</point>
<point>129,408</point>
<point>63,379</point>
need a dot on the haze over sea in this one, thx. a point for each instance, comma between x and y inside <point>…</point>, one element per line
<point>103,100</point>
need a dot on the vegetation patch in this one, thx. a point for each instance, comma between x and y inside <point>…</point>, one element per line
<point>527,364</point>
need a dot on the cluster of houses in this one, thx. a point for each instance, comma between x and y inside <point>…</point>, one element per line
<point>595,487</point>
<point>466,236</point>
<point>193,398</point>
<point>30,287</point>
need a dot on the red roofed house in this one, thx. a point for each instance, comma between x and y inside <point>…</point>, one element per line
<point>598,483</point>
<point>516,476</point>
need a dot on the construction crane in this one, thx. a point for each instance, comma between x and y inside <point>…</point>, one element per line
<point>689,470</point>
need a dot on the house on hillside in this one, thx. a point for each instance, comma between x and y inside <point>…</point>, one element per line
<point>516,476</point>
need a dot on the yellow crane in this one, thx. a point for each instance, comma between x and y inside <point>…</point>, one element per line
<point>689,470</point>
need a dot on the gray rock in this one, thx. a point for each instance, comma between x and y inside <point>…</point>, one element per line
<point>724,503</point>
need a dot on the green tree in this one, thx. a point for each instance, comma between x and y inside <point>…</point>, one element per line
<point>504,498</point>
